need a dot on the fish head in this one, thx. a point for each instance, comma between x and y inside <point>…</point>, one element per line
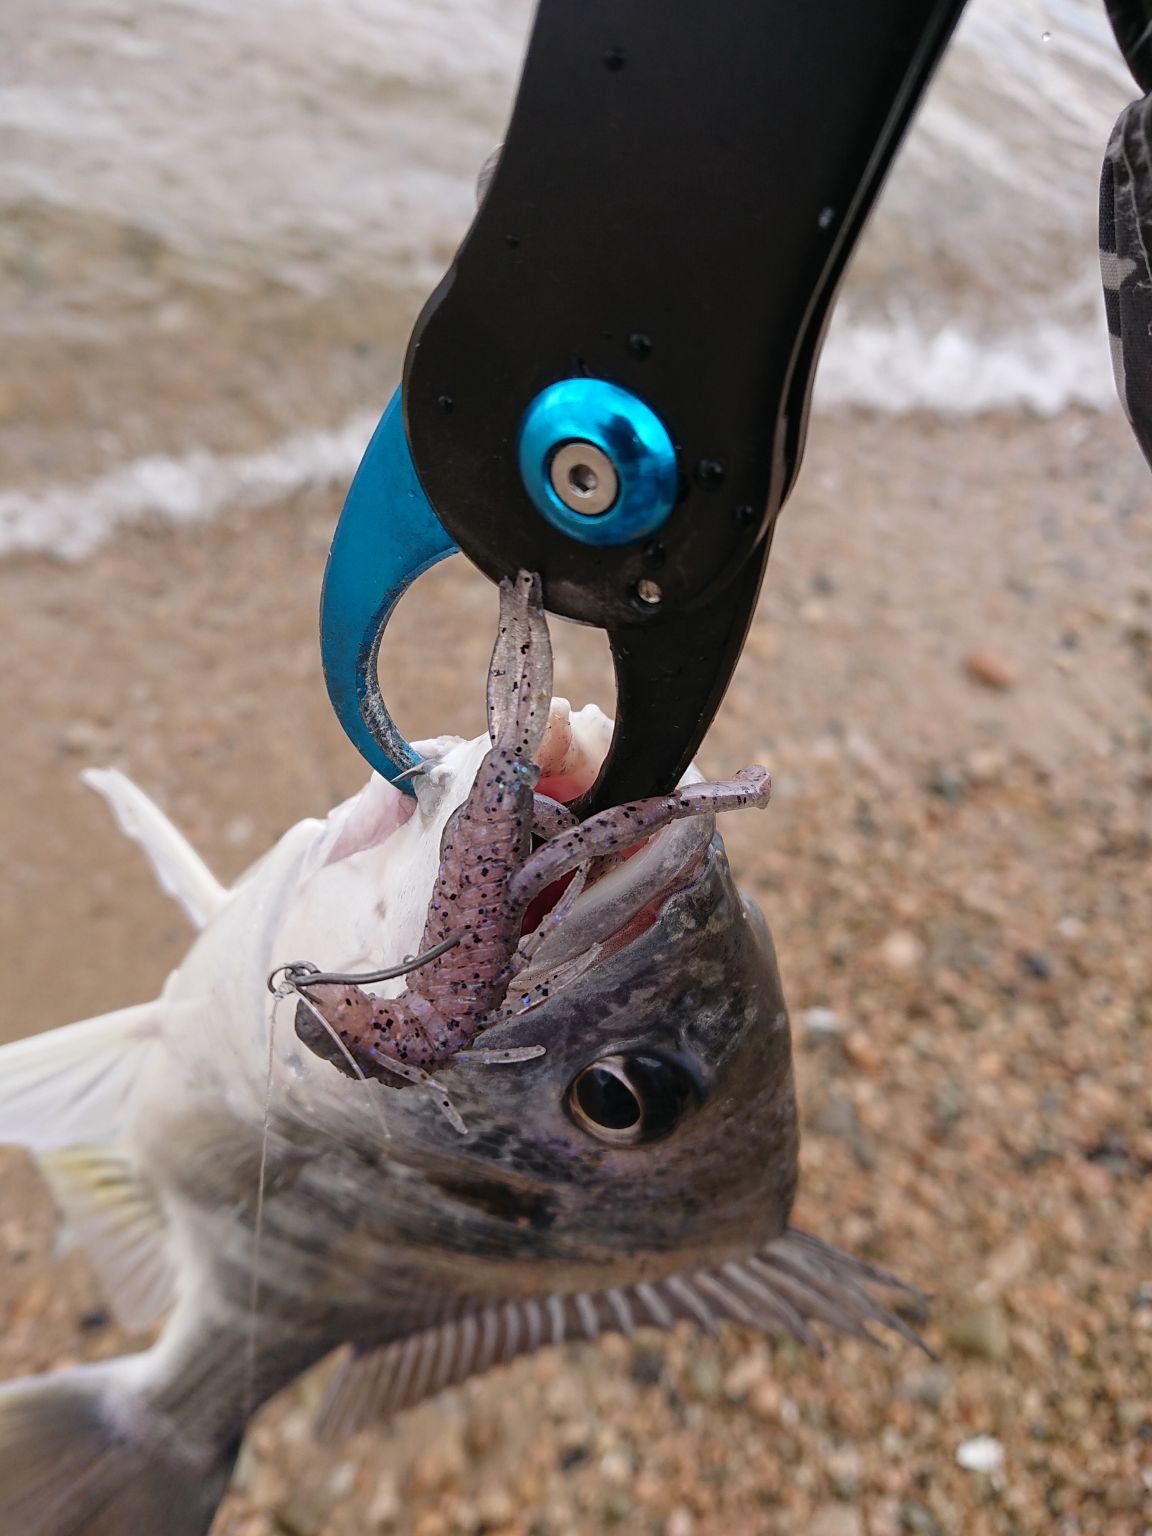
<point>657,1131</point>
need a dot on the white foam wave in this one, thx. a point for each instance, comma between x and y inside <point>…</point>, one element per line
<point>890,368</point>
<point>323,148</point>
<point>317,144</point>
<point>71,521</point>
<point>901,367</point>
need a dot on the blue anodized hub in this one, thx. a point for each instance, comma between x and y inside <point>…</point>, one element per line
<point>623,488</point>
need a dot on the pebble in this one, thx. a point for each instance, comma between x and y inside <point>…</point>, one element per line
<point>616,1469</point>
<point>707,1378</point>
<point>845,1469</point>
<point>746,1374</point>
<point>385,1508</point>
<point>239,831</point>
<point>980,1331</point>
<point>481,1435</point>
<point>496,1507</point>
<point>901,950</point>
<point>837,1117</point>
<point>647,1365</point>
<point>861,1052</point>
<point>80,738</point>
<point>989,670</point>
<point>1124,1494</point>
<point>836,1520</point>
<point>301,1514</point>
<point>821,1022</point>
<point>985,765</point>
<point>918,1518</point>
<point>983,1453</point>
<point>929,1386</point>
<point>947,784</point>
<point>1036,964</point>
<point>617,1506</point>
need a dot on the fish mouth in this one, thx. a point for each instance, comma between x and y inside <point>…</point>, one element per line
<point>625,902</point>
<point>624,899</point>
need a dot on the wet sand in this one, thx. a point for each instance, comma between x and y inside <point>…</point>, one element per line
<point>951,679</point>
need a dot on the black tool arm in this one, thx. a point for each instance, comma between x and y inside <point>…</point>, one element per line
<point>680,189</point>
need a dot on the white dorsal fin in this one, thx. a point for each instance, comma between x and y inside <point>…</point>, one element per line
<point>72,1085</point>
<point>179,869</point>
<point>784,1288</point>
<point>114,1216</point>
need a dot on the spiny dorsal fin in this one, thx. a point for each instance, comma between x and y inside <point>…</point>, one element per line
<point>113,1214</point>
<point>179,869</point>
<point>792,1283</point>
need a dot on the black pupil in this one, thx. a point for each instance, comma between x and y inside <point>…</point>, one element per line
<point>606,1100</point>
<point>664,1090</point>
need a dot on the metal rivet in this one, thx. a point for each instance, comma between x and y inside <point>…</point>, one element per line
<point>584,478</point>
<point>648,591</point>
<point>640,345</point>
<point>445,402</point>
<point>709,474</point>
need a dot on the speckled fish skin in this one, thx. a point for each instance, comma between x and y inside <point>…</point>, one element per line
<point>380,1227</point>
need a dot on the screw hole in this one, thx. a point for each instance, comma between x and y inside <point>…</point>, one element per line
<point>583,480</point>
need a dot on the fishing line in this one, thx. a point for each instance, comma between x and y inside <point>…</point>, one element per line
<point>258,1225</point>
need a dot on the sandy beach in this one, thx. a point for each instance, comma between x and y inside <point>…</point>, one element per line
<point>950,677</point>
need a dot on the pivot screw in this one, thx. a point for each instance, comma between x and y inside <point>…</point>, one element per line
<point>584,478</point>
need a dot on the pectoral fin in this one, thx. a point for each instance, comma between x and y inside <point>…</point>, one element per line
<point>66,1096</point>
<point>113,1214</point>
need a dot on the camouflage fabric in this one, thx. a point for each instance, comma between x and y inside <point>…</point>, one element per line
<point>1126,262</point>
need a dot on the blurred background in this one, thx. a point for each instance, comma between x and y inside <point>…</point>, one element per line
<point>217,223</point>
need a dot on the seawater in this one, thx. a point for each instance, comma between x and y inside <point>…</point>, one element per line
<point>210,210</point>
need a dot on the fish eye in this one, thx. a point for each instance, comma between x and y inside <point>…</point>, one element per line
<point>630,1099</point>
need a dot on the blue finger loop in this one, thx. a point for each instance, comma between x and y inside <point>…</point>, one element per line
<point>387,536</point>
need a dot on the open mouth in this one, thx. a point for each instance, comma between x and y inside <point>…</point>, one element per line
<point>623,896</point>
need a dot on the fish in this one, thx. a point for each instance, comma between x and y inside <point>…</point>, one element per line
<point>257,1162</point>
